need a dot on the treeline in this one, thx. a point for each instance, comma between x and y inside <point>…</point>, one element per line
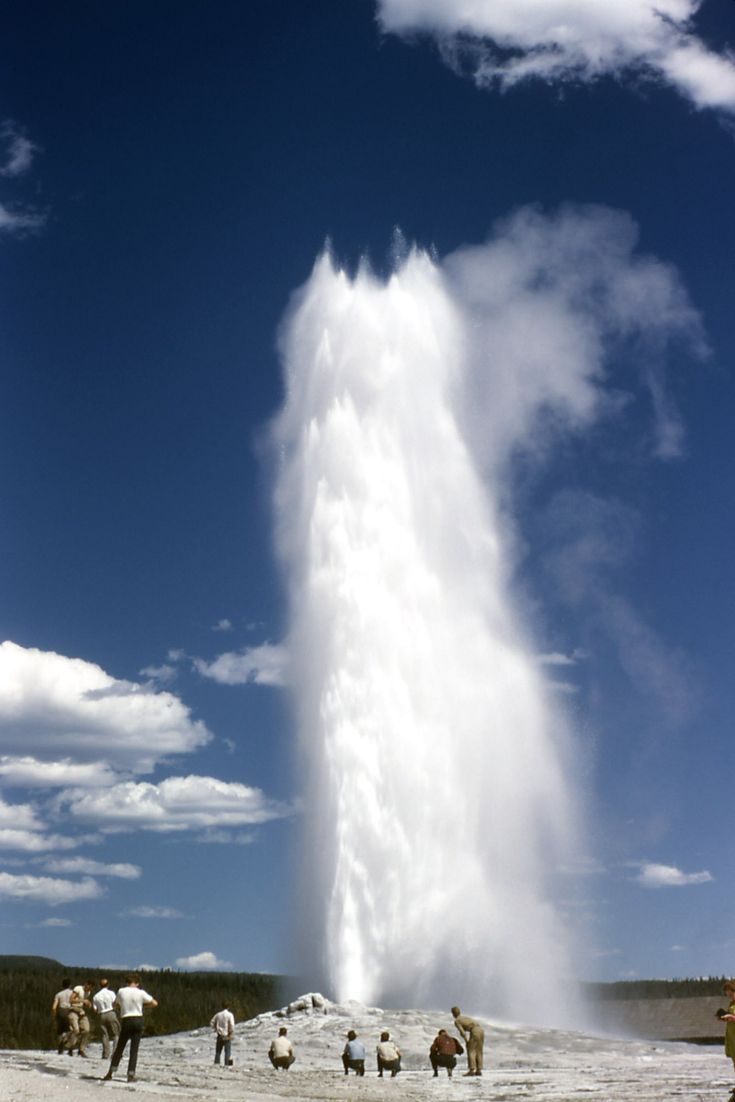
<point>656,989</point>
<point>187,1000</point>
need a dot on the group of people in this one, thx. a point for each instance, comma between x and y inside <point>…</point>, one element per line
<point>120,1017</point>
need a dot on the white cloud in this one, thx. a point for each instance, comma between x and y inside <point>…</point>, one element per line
<point>549,301</point>
<point>56,708</point>
<point>505,42</point>
<point>164,673</point>
<point>668,876</point>
<point>46,889</point>
<point>155,912</point>
<point>19,816</point>
<point>225,838</point>
<point>263,665</point>
<point>61,922</point>
<point>202,962</point>
<point>19,150</point>
<point>15,221</point>
<point>178,803</point>
<point>223,625</point>
<point>85,866</point>
<point>31,773</point>
<point>33,841</point>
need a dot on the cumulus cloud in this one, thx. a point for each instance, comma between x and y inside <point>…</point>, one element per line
<point>46,889</point>
<point>263,665</point>
<point>155,912</point>
<point>31,841</point>
<point>178,803</point>
<point>29,772</point>
<point>202,962</point>
<point>84,865</point>
<point>668,876</point>
<point>552,302</point>
<point>506,42</point>
<point>55,708</point>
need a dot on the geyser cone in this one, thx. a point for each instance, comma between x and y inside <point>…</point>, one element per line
<point>435,797</point>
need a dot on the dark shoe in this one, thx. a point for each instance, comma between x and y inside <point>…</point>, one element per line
<point>107,1076</point>
<point>132,1078</point>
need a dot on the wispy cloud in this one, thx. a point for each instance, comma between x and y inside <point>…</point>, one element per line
<point>202,962</point>
<point>155,912</point>
<point>164,673</point>
<point>84,865</point>
<point>668,876</point>
<point>18,150</point>
<point>222,625</point>
<point>46,889</point>
<point>29,772</point>
<point>263,665</point>
<point>506,42</point>
<point>178,803</point>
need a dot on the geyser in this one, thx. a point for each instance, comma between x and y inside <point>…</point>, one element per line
<point>437,805</point>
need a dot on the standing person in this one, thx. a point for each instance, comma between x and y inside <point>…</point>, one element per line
<point>130,1001</point>
<point>223,1024</point>
<point>281,1053</point>
<point>104,1003</point>
<point>729,1018</point>
<point>473,1036</point>
<point>444,1052</point>
<point>60,1008</point>
<point>77,1035</point>
<point>389,1056</point>
<point>354,1055</point>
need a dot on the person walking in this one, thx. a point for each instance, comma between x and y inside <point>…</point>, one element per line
<point>223,1024</point>
<point>104,1004</point>
<point>60,1009</point>
<point>473,1036</point>
<point>281,1053</point>
<point>130,1001</point>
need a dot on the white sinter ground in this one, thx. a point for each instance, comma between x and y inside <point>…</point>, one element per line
<point>522,1063</point>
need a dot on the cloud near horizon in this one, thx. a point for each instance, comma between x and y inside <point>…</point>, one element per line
<point>202,962</point>
<point>502,43</point>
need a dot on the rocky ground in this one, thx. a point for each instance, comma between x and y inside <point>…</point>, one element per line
<point>522,1063</point>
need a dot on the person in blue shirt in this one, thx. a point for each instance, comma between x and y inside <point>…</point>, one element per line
<point>353,1056</point>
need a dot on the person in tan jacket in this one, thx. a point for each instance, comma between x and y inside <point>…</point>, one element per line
<point>473,1036</point>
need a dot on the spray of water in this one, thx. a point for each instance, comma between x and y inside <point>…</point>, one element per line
<point>437,804</point>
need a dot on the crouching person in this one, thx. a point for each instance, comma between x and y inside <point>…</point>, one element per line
<point>389,1056</point>
<point>281,1053</point>
<point>353,1057</point>
<point>444,1052</point>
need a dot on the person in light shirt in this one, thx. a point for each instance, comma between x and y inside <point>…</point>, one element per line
<point>281,1053</point>
<point>389,1056</point>
<point>223,1024</point>
<point>104,1003</point>
<point>130,1001</point>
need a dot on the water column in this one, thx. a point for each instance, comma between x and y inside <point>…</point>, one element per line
<point>436,806</point>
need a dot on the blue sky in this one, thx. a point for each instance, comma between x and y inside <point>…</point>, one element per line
<point>169,173</point>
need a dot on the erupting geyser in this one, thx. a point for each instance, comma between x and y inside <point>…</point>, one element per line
<point>436,799</point>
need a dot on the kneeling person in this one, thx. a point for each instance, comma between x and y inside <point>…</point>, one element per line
<point>444,1052</point>
<point>281,1053</point>
<point>353,1057</point>
<point>389,1056</point>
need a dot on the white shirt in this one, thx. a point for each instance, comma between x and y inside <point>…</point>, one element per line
<point>131,1000</point>
<point>281,1046</point>
<point>224,1023</point>
<point>104,1000</point>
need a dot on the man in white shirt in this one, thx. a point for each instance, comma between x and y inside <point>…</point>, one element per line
<point>389,1056</point>
<point>104,1004</point>
<point>223,1024</point>
<point>281,1053</point>
<point>130,1001</point>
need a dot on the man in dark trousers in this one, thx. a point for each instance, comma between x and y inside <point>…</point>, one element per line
<point>444,1052</point>
<point>130,1001</point>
